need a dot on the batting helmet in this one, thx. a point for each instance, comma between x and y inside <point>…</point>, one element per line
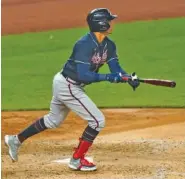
<point>98,19</point>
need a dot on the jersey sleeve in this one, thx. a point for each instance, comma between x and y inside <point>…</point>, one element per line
<point>112,59</point>
<point>81,53</point>
<point>86,76</point>
<point>112,52</point>
<point>115,67</point>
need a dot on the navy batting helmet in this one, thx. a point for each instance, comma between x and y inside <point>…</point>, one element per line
<point>98,19</point>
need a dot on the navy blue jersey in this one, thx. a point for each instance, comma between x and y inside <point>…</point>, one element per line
<point>91,55</point>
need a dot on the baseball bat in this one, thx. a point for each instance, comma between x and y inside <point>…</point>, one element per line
<point>156,82</point>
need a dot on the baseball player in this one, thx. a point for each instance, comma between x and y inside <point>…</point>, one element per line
<point>89,53</point>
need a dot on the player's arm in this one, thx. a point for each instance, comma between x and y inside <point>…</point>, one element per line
<point>113,61</point>
<point>87,76</point>
<point>115,67</point>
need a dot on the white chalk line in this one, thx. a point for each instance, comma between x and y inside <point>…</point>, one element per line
<point>66,160</point>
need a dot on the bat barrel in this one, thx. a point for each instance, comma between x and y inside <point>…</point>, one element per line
<point>157,82</point>
<point>173,84</point>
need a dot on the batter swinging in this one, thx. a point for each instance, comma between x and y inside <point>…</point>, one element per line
<point>89,54</point>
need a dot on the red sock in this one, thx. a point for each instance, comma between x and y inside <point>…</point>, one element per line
<point>82,149</point>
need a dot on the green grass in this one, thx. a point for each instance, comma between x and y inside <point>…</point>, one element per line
<point>153,49</point>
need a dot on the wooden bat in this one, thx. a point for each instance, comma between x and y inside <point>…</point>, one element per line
<point>157,82</point>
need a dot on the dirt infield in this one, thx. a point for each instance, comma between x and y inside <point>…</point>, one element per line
<point>136,143</point>
<point>20,16</point>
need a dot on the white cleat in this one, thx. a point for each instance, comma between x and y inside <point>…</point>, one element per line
<point>13,144</point>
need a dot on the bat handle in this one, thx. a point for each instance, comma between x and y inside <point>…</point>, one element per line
<point>132,77</point>
<point>124,78</point>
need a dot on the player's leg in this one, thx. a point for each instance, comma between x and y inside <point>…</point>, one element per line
<point>58,112</point>
<point>52,120</point>
<point>81,104</point>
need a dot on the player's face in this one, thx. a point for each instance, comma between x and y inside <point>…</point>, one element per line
<point>111,27</point>
<point>110,30</point>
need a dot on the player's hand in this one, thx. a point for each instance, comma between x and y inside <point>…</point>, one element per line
<point>133,81</point>
<point>114,78</point>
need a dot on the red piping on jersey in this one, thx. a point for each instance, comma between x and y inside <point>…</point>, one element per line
<point>69,86</point>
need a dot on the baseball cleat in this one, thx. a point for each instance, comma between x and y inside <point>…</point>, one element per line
<point>81,164</point>
<point>13,144</point>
